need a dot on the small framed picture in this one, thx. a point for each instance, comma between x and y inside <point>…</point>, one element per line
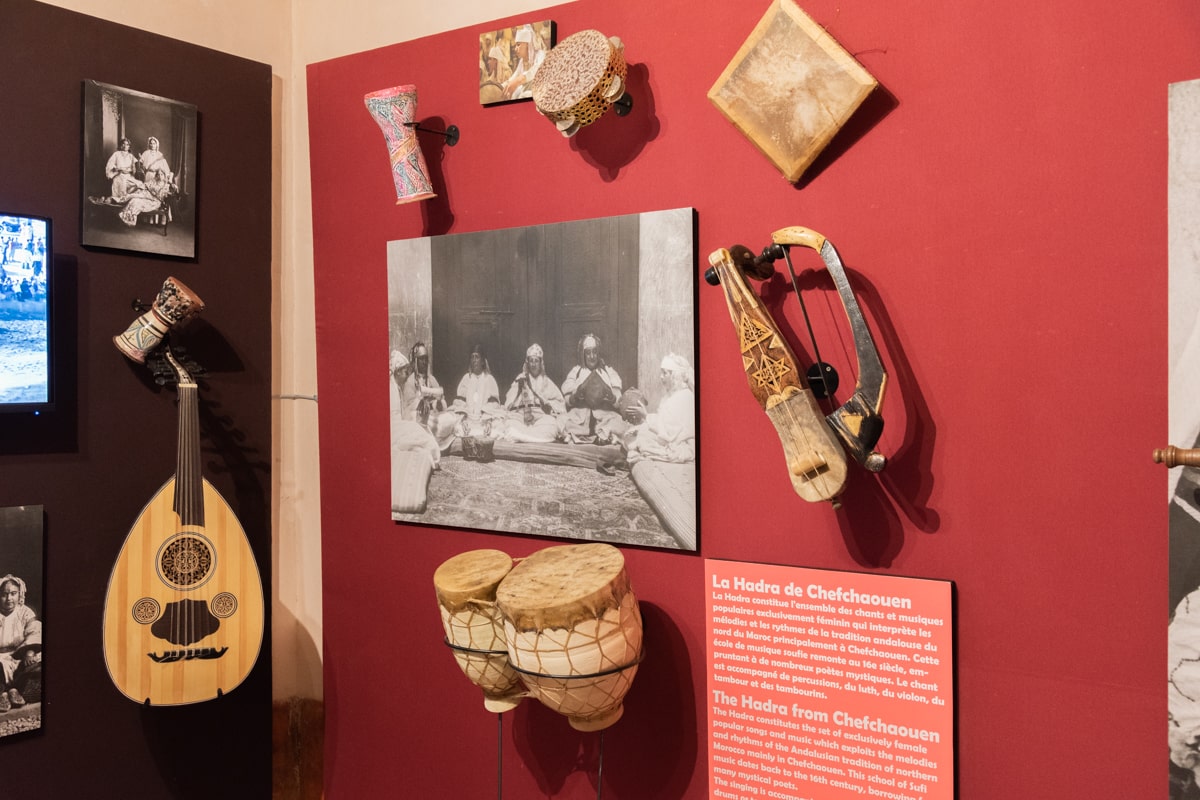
<point>790,88</point>
<point>139,171</point>
<point>21,609</point>
<point>509,58</point>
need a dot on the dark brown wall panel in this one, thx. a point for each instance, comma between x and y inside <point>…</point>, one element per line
<point>119,444</point>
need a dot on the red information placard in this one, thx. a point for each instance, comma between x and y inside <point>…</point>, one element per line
<point>825,685</point>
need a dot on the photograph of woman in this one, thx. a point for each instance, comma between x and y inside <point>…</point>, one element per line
<point>139,171</point>
<point>20,619</point>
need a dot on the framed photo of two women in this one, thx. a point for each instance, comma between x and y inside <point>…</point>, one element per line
<point>138,172</point>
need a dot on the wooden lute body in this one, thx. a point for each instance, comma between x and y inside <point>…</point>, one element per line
<point>183,616</point>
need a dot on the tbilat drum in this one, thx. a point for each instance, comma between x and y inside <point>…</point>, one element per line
<point>175,303</point>
<point>466,593</point>
<point>475,448</point>
<point>574,630</point>
<point>580,78</point>
<point>490,92</point>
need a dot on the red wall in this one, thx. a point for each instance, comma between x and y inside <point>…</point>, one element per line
<point>1001,203</point>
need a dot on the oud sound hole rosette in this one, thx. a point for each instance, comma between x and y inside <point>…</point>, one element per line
<point>185,561</point>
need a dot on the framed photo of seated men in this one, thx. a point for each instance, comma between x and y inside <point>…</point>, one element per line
<point>542,380</point>
<point>139,172</point>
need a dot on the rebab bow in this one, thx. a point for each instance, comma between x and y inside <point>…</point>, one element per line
<point>810,438</point>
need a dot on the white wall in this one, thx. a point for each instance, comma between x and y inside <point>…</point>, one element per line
<point>288,35</point>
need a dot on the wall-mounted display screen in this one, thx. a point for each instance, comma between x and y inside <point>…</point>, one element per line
<point>26,254</point>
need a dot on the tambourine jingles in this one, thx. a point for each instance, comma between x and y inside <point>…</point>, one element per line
<point>574,630</point>
<point>580,78</point>
<point>466,592</point>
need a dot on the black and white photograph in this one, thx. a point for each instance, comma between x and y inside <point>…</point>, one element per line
<point>1183,588</point>
<point>542,380</point>
<point>20,619</point>
<point>138,172</point>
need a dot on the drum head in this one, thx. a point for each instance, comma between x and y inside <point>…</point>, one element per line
<point>559,586</point>
<point>176,301</point>
<point>571,71</point>
<point>473,575</point>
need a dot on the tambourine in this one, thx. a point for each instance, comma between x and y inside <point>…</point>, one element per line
<point>580,78</point>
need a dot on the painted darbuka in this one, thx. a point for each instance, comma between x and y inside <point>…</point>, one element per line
<point>574,630</point>
<point>392,109</point>
<point>466,593</point>
<point>581,77</point>
<point>175,303</point>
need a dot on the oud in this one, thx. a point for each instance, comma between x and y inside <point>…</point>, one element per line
<point>183,615</point>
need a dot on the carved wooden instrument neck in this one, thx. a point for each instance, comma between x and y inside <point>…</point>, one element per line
<point>816,462</point>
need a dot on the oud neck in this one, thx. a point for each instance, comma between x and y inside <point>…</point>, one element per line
<point>189,485</point>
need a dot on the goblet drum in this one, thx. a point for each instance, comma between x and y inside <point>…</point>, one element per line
<point>574,630</point>
<point>175,303</point>
<point>394,110</point>
<point>580,78</point>
<point>466,593</point>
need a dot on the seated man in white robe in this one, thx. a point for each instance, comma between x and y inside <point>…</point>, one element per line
<point>533,402</point>
<point>477,401</point>
<point>408,435</point>
<point>591,391</point>
<point>423,398</point>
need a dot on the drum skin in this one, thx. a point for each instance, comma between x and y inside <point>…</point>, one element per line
<point>579,80</point>
<point>573,629</point>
